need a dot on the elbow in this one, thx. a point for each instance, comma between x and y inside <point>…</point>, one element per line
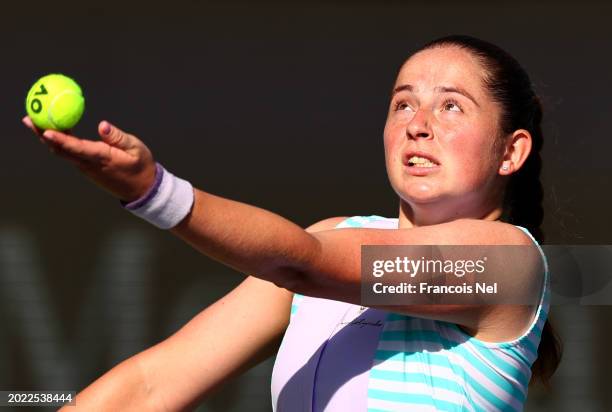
<point>294,272</point>
<point>289,278</point>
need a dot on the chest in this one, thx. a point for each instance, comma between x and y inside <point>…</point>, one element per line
<point>325,357</point>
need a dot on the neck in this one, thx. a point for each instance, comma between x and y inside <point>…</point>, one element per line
<point>413,215</point>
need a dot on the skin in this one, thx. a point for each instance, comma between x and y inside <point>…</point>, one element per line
<point>457,131</point>
<point>459,204</point>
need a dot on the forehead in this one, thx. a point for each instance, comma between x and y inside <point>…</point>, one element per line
<point>443,66</point>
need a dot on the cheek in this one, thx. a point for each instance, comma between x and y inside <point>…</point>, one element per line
<point>392,139</point>
<point>470,155</point>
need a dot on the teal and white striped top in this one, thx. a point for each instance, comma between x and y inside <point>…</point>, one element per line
<point>337,356</point>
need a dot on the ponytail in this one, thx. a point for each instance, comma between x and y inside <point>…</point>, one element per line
<point>511,87</point>
<point>523,207</point>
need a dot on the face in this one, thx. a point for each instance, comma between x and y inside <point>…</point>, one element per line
<point>441,107</point>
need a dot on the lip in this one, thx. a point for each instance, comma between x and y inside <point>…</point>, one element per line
<point>420,171</point>
<point>411,153</point>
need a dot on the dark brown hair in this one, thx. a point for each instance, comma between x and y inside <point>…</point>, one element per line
<point>521,108</point>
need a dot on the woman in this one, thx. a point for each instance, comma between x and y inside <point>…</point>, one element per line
<point>462,142</point>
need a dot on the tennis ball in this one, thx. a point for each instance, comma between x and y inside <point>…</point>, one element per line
<point>55,102</point>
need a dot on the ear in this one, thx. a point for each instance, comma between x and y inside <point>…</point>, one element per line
<point>517,150</point>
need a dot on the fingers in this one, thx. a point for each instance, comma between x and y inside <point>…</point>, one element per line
<point>113,147</point>
<point>39,132</point>
<point>115,136</point>
<point>78,149</point>
<point>29,124</point>
<point>54,148</point>
<point>58,151</point>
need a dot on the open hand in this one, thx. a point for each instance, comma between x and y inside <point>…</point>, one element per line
<point>119,163</point>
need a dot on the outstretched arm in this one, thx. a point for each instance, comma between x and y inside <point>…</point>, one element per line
<point>327,264</point>
<point>253,240</point>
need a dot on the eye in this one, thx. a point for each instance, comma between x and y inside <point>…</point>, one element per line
<point>451,105</point>
<point>401,105</point>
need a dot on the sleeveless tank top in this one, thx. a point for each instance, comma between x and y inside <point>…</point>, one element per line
<point>336,356</point>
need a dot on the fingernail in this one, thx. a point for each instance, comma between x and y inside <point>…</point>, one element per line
<point>106,128</point>
<point>48,134</point>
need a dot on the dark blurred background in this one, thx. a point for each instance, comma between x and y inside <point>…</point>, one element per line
<point>281,106</point>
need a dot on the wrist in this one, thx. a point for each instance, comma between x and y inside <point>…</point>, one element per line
<point>149,193</point>
<point>166,203</point>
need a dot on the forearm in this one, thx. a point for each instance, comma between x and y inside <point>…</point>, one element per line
<point>235,333</point>
<point>249,239</point>
<point>123,388</point>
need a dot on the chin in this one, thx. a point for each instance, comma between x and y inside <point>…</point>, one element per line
<point>419,191</point>
<point>422,200</point>
<point>418,196</point>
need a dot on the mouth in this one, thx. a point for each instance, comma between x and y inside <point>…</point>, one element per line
<point>420,163</point>
<point>414,159</point>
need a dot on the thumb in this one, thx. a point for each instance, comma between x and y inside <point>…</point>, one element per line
<point>115,136</point>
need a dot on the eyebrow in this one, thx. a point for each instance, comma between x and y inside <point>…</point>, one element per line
<point>439,89</point>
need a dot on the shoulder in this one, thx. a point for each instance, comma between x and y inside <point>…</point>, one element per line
<point>341,222</point>
<point>326,224</point>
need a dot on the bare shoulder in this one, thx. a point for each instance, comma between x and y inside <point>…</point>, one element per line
<point>518,282</point>
<point>521,283</point>
<point>326,224</point>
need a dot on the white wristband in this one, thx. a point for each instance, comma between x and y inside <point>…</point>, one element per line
<point>166,203</point>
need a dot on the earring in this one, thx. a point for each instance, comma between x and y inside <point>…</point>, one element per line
<point>505,167</point>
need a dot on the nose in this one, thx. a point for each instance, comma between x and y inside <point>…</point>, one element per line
<point>419,127</point>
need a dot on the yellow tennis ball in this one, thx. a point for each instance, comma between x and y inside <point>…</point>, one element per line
<point>55,102</point>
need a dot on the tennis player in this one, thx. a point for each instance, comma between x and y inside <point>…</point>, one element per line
<point>462,146</point>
